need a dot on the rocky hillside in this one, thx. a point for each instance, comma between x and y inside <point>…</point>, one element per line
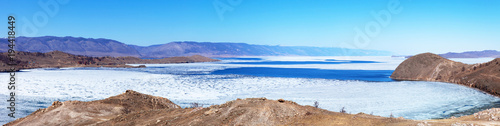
<point>133,108</point>
<point>93,112</point>
<point>57,59</point>
<point>432,67</point>
<point>72,45</point>
<point>108,47</point>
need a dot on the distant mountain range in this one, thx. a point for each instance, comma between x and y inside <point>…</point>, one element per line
<point>78,46</point>
<point>469,54</point>
<point>472,54</point>
<point>108,47</point>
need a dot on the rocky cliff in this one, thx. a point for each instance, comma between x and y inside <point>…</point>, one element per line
<point>432,67</point>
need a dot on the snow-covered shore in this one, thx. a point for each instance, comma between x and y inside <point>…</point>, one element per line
<point>38,88</point>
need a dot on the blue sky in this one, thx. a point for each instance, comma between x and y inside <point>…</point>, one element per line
<point>419,26</point>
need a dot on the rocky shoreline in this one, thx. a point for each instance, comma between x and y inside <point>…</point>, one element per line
<point>432,67</point>
<point>58,59</point>
<point>134,108</point>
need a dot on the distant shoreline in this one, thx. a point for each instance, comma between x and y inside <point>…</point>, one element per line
<point>58,59</point>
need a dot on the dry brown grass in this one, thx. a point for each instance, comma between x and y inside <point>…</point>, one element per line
<point>133,108</point>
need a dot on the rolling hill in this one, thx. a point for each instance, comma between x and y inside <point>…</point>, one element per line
<point>108,47</point>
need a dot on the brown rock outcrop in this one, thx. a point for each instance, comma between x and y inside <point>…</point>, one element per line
<point>133,108</point>
<point>251,111</point>
<point>432,67</point>
<point>93,112</point>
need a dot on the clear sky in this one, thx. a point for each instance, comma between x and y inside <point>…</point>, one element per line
<point>417,26</point>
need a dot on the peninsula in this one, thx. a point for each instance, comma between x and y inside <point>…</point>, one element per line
<point>58,59</point>
<point>432,67</point>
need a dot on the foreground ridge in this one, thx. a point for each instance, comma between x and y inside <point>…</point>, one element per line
<point>134,108</point>
<point>432,67</point>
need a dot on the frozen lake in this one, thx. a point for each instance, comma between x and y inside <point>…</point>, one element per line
<point>360,84</point>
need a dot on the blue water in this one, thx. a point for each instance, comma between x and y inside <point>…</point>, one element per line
<point>236,58</point>
<point>363,75</point>
<point>300,62</point>
<point>352,61</point>
<point>379,81</point>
